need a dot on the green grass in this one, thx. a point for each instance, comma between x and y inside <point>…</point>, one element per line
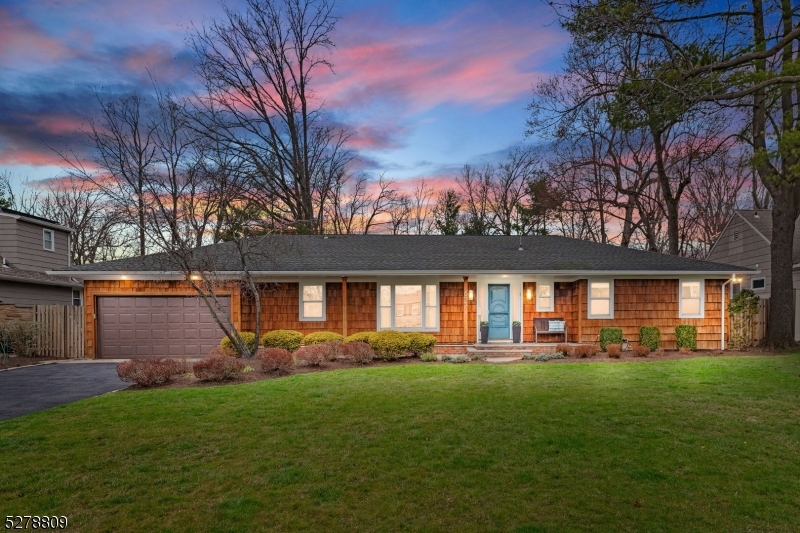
<point>706,444</point>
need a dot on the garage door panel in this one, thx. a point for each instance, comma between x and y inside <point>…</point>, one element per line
<point>168,326</point>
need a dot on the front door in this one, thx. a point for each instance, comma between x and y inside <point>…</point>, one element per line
<point>499,310</point>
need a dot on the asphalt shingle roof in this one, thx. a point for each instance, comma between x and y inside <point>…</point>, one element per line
<point>435,253</point>
<point>30,276</point>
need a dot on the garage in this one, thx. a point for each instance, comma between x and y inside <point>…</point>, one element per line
<point>156,326</point>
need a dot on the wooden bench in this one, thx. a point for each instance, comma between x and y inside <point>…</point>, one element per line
<point>549,326</point>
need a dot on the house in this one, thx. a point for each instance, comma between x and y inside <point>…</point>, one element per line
<point>29,247</point>
<point>745,242</point>
<point>444,285</point>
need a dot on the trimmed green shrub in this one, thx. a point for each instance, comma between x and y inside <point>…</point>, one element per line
<point>248,337</point>
<point>610,336</point>
<point>389,345</point>
<point>649,336</point>
<point>359,337</point>
<point>455,359</point>
<point>282,338</point>
<point>322,336</point>
<point>428,357</point>
<point>686,336</point>
<point>421,343</point>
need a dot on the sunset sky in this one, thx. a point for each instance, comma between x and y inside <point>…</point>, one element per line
<point>426,86</point>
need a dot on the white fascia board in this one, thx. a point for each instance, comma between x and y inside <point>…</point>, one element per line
<point>38,222</point>
<point>147,275</point>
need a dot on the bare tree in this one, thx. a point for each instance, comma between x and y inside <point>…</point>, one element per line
<point>258,66</point>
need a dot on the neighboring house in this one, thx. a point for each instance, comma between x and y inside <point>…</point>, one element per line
<point>29,247</point>
<point>444,285</point>
<point>745,242</point>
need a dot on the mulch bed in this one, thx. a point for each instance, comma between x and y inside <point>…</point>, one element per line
<point>188,380</point>
<point>18,361</point>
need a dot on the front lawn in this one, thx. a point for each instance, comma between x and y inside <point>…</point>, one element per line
<point>706,444</point>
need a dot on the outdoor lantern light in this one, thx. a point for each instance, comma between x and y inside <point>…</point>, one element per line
<point>471,295</point>
<point>529,294</point>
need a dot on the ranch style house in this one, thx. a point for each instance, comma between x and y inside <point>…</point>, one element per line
<point>443,285</point>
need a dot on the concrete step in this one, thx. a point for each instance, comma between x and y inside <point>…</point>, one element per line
<point>492,354</point>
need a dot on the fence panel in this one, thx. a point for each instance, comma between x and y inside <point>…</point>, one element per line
<point>62,330</point>
<point>760,321</point>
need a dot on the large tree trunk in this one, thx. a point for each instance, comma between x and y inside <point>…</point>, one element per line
<point>780,328</point>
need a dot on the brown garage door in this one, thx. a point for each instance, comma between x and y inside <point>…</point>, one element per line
<point>160,326</point>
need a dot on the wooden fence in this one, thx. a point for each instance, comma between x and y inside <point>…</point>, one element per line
<point>62,330</point>
<point>760,321</point>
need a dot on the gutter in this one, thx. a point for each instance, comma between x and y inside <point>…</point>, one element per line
<point>40,281</point>
<point>173,275</point>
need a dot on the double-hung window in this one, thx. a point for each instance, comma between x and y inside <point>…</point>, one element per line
<point>412,307</point>
<point>691,296</point>
<point>48,240</point>
<point>312,301</point>
<point>601,299</point>
<point>544,296</point>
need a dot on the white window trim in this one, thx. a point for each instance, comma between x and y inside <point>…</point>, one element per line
<point>702,314</point>
<point>552,296</point>
<point>324,301</point>
<point>52,240</point>
<point>762,288</point>
<point>424,305</point>
<point>589,314</point>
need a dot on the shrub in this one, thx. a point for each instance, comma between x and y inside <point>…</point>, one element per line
<point>476,357</point>
<point>659,351</point>
<point>614,350</point>
<point>456,359</point>
<point>322,336</point>
<point>389,345</point>
<point>314,355</point>
<point>421,343</point>
<point>23,337</point>
<point>282,338</point>
<point>358,352</point>
<point>544,356</point>
<point>5,343</point>
<point>686,336</point>
<point>641,351</point>
<point>610,336</point>
<point>684,350</point>
<point>564,348</point>
<point>275,360</point>
<point>428,357</point>
<point>217,368</point>
<point>147,372</point>
<point>248,337</point>
<point>359,337</point>
<point>585,350</point>
<point>650,336</point>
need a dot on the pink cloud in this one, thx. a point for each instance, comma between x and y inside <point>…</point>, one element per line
<point>21,42</point>
<point>465,60</point>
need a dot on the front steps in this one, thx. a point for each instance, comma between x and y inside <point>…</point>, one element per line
<point>496,349</point>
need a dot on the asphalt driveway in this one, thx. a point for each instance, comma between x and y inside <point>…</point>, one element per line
<point>30,389</point>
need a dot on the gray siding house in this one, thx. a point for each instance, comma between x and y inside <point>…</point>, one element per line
<point>29,247</point>
<point>745,241</point>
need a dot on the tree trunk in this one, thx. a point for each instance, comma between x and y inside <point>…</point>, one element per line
<point>780,328</point>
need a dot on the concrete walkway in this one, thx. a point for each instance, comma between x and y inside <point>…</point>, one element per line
<point>34,388</point>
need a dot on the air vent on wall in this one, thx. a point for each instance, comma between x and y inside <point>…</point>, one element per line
<point>735,235</point>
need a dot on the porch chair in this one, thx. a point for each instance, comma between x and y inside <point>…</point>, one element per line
<point>549,326</point>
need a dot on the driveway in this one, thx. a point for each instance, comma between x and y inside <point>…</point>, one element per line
<point>33,388</point>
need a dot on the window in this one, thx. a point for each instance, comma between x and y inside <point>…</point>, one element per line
<point>76,297</point>
<point>312,302</point>
<point>736,288</point>
<point>48,240</point>
<point>758,284</point>
<point>601,299</point>
<point>691,299</point>
<point>408,307</point>
<point>544,296</point>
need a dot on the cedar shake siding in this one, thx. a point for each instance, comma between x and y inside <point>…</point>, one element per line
<point>637,302</point>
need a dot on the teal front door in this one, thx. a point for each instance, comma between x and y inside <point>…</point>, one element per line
<point>499,310</point>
